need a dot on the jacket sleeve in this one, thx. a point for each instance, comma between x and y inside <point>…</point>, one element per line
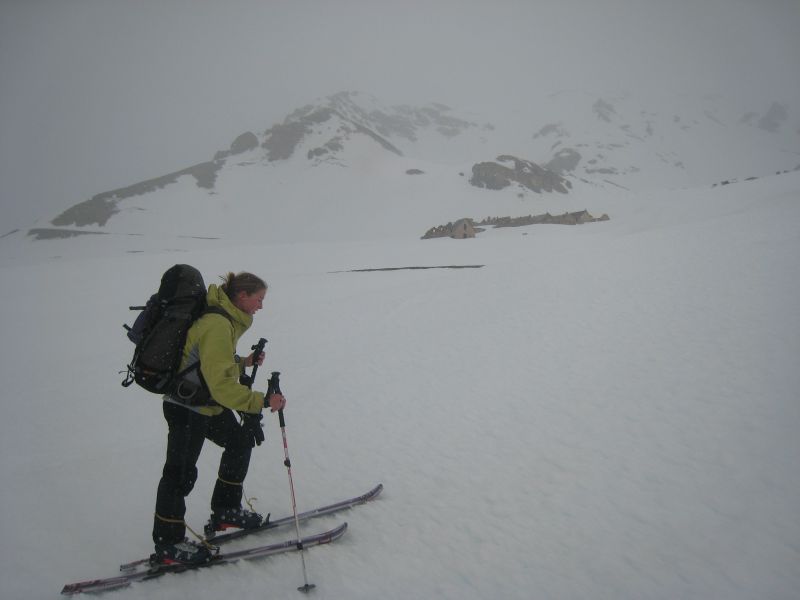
<point>220,371</point>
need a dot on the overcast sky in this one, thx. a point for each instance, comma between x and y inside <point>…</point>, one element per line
<point>99,94</point>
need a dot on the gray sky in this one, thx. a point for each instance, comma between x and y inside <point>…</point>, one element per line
<point>99,94</point>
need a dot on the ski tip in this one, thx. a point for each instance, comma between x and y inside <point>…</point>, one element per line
<point>336,533</point>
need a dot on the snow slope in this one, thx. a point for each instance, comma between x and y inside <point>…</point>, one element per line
<point>602,411</point>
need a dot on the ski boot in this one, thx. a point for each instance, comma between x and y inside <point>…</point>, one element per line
<point>232,518</point>
<point>185,553</point>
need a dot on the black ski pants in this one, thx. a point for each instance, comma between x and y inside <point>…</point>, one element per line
<point>187,432</point>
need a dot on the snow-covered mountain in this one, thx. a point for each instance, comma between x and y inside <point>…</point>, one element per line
<point>618,140</point>
<point>605,411</point>
<point>405,169</point>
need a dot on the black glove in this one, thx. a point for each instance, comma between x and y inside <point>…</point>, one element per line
<point>252,428</point>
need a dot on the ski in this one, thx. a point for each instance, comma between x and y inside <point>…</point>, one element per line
<point>304,516</point>
<point>275,523</point>
<point>112,583</point>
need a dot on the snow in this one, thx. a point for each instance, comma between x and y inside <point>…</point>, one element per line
<point>601,411</point>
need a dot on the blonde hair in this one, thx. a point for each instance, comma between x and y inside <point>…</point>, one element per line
<point>233,283</point>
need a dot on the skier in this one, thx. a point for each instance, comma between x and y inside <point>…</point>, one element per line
<point>212,340</point>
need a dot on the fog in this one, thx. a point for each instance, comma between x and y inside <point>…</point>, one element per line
<point>99,94</point>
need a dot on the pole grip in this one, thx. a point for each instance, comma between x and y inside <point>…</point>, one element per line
<point>245,379</point>
<point>257,350</point>
<point>274,387</point>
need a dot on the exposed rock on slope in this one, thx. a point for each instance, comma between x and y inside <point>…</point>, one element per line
<point>495,176</point>
<point>321,130</point>
<point>467,228</point>
<point>568,218</point>
<point>461,229</point>
<point>100,208</point>
<point>347,117</point>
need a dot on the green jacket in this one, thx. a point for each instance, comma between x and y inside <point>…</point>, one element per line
<point>212,340</point>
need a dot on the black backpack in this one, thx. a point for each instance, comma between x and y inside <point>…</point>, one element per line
<point>159,333</point>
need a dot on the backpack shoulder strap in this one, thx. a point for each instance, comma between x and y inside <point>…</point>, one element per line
<point>216,310</point>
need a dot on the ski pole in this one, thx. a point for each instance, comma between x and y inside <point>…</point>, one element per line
<point>275,388</point>
<point>247,380</point>
<point>257,349</point>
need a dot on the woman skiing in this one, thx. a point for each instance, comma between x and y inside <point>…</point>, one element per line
<point>212,340</point>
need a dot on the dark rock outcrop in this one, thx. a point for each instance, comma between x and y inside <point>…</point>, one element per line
<point>564,161</point>
<point>282,139</point>
<point>466,228</point>
<point>568,218</point>
<point>43,233</point>
<point>496,176</point>
<point>244,143</point>
<point>100,208</point>
<point>461,229</point>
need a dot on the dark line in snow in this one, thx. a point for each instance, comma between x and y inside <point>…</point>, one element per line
<point>409,268</point>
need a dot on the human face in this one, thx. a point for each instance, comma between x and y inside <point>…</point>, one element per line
<point>250,303</point>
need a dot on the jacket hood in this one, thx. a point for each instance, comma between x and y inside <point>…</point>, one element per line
<point>217,297</point>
